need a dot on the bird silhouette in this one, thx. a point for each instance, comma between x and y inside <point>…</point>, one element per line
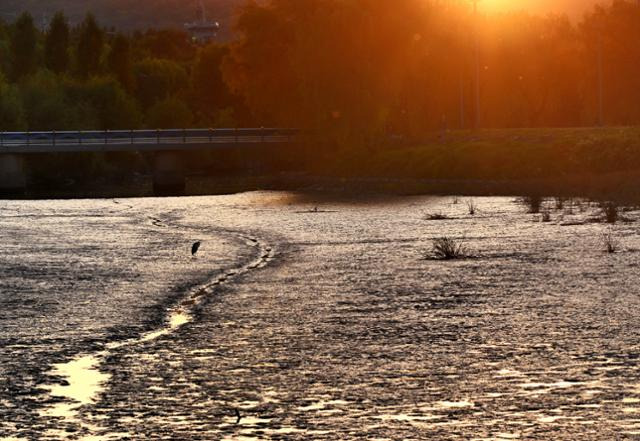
<point>238,416</point>
<point>195,247</point>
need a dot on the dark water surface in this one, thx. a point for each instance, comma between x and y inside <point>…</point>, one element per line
<point>315,319</point>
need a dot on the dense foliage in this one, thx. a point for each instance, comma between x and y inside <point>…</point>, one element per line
<point>84,77</point>
<point>353,69</point>
<point>364,67</point>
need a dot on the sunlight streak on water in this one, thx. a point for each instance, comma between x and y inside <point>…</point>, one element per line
<point>176,320</point>
<point>84,379</point>
<point>84,382</point>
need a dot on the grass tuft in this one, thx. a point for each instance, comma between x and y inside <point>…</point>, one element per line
<point>472,208</point>
<point>437,216</point>
<point>610,242</point>
<point>448,248</point>
<point>609,212</point>
<point>534,203</point>
<point>546,216</point>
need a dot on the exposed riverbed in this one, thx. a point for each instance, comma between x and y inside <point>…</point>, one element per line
<point>315,318</point>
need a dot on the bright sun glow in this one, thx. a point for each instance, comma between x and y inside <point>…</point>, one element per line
<point>498,5</point>
<point>570,7</point>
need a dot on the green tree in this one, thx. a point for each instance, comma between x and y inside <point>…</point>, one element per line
<point>108,103</point>
<point>157,79</point>
<point>170,113</point>
<point>90,47</point>
<point>5,55</point>
<point>4,30</point>
<point>167,44</point>
<point>209,92</point>
<point>12,116</point>
<point>56,46</point>
<point>47,107</point>
<point>120,62</point>
<point>340,64</point>
<point>606,36</point>
<point>23,47</point>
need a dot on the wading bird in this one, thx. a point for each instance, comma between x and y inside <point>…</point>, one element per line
<point>195,247</point>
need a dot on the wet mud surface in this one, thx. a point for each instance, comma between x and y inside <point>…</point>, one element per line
<point>319,324</point>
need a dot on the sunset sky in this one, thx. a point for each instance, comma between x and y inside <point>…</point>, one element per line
<point>572,7</point>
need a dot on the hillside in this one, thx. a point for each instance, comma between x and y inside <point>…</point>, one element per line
<point>126,14</point>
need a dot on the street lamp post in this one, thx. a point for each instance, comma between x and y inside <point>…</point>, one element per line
<point>477,62</point>
<point>461,97</point>
<point>600,81</point>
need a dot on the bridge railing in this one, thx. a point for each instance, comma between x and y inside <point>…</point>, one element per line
<point>148,137</point>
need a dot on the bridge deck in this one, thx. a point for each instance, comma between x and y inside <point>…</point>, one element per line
<point>141,140</point>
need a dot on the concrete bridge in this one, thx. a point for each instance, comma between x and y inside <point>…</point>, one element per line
<point>168,170</point>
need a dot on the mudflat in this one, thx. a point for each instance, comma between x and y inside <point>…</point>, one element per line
<point>313,317</point>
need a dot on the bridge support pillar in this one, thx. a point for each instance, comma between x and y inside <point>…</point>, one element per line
<point>169,178</point>
<point>13,178</point>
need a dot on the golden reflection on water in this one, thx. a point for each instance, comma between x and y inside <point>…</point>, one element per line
<point>84,383</point>
<point>176,320</point>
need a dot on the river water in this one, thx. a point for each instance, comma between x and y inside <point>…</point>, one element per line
<point>307,317</point>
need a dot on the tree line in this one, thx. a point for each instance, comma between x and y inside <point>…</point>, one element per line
<point>353,70</point>
<point>362,68</point>
<point>88,77</point>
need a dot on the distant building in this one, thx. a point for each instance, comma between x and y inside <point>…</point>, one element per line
<point>202,31</point>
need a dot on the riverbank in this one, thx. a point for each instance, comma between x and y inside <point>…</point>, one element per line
<point>600,163</point>
<point>615,186</point>
<point>587,162</point>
